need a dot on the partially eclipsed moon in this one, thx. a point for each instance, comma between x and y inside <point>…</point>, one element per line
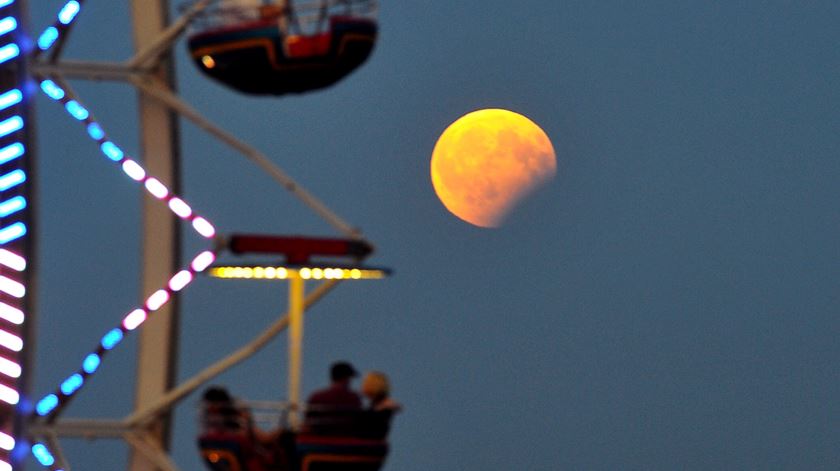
<point>488,161</point>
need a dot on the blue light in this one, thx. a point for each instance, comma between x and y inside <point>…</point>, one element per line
<point>46,405</point>
<point>112,151</point>
<point>95,131</point>
<point>42,454</point>
<point>7,25</point>
<point>11,179</point>
<point>76,110</point>
<point>12,206</point>
<point>68,12</point>
<point>47,38</point>
<point>5,3</point>
<point>91,363</point>
<point>13,124</point>
<point>10,98</point>
<point>13,232</point>
<point>9,52</point>
<point>52,90</point>
<point>111,339</point>
<point>72,384</point>
<point>11,152</point>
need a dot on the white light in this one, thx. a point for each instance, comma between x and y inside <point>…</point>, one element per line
<point>9,396</point>
<point>12,287</point>
<point>156,300</point>
<point>202,261</point>
<point>5,466</point>
<point>12,260</point>
<point>179,207</point>
<point>133,170</point>
<point>9,368</point>
<point>11,314</point>
<point>13,124</point>
<point>180,280</point>
<point>156,188</point>
<point>69,11</point>
<point>10,341</point>
<point>134,319</point>
<point>203,227</point>
<point>9,52</point>
<point>12,97</point>
<point>7,442</point>
<point>7,25</point>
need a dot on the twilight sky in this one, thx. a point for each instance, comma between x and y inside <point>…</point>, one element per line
<point>669,301</point>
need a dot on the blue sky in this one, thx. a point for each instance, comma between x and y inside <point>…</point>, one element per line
<point>667,302</point>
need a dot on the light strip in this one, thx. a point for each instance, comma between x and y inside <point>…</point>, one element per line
<point>5,3</point>
<point>51,403</point>
<point>129,166</point>
<point>306,273</point>
<point>68,13</point>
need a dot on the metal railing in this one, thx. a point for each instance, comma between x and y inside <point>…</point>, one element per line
<point>301,17</point>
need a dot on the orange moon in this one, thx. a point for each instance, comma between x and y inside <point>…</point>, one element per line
<point>488,161</point>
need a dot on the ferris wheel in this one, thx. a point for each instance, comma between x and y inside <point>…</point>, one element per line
<point>252,46</point>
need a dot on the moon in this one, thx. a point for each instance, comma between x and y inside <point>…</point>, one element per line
<point>487,161</point>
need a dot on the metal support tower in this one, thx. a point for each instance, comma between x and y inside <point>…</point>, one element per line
<point>158,342</point>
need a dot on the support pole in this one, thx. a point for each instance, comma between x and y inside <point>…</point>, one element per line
<point>157,349</point>
<point>296,307</point>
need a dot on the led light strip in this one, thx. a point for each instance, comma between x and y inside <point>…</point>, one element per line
<point>66,16</point>
<point>53,403</point>
<point>130,167</point>
<point>13,205</point>
<point>305,273</point>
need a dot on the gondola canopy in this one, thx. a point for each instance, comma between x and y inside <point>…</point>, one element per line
<point>278,47</point>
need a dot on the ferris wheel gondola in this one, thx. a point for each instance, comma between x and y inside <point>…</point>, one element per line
<point>277,47</point>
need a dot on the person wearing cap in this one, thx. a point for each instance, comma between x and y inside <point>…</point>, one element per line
<point>333,410</point>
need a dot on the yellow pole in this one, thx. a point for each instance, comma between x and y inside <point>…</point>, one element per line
<point>296,307</point>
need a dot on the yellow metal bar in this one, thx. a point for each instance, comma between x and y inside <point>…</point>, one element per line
<point>296,307</point>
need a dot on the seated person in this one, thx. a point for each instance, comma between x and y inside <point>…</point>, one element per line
<point>333,410</point>
<point>221,414</point>
<point>376,422</point>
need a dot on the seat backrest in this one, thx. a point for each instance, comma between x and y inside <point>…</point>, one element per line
<point>321,453</point>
